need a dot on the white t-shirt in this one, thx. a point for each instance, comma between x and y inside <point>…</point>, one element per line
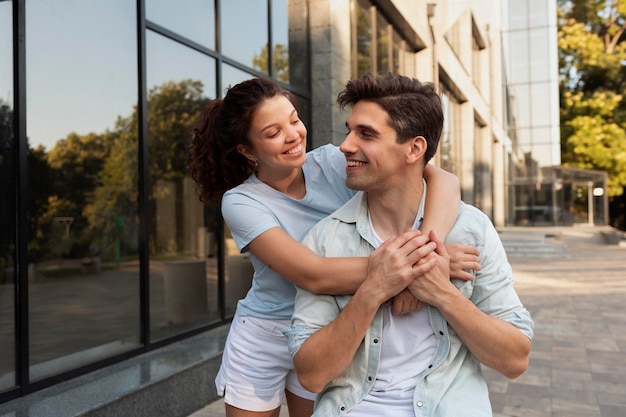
<point>407,339</point>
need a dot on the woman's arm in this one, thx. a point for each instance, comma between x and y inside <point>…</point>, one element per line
<point>300,265</point>
<point>303,267</point>
<point>443,200</point>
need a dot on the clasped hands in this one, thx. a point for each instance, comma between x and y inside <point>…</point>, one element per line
<point>412,269</point>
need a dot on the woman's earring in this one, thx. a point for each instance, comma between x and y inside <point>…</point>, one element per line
<point>256,163</point>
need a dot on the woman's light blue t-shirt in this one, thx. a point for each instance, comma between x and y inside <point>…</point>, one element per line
<point>254,207</point>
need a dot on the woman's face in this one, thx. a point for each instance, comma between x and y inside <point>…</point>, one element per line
<point>277,135</point>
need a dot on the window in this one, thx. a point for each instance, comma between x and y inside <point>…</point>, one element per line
<point>363,30</point>
<point>83,169</point>
<point>448,146</point>
<point>114,236</point>
<point>290,51</point>
<point>193,19</point>
<point>7,202</point>
<point>183,262</point>
<point>378,47</point>
<point>245,36</point>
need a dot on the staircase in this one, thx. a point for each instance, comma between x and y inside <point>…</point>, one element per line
<point>532,243</point>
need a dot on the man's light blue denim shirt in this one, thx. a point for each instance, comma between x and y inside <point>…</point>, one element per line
<point>453,385</point>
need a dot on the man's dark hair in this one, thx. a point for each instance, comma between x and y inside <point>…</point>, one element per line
<point>414,108</point>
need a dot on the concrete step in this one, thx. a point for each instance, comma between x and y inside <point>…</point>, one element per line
<point>534,249</point>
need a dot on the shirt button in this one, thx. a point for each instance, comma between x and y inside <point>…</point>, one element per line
<point>369,378</point>
<point>419,404</point>
<point>375,340</point>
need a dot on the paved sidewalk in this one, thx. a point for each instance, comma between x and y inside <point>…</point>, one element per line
<point>578,358</point>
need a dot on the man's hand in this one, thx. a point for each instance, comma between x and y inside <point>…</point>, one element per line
<point>435,283</point>
<point>396,263</point>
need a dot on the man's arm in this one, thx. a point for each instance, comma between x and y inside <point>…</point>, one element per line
<point>494,342</point>
<point>334,345</point>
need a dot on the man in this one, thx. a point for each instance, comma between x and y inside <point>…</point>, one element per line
<point>362,360</point>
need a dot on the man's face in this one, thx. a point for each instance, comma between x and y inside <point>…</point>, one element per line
<point>375,160</point>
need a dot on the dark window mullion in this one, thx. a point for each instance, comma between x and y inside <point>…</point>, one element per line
<point>21,283</point>
<point>144,181</point>
<point>270,42</point>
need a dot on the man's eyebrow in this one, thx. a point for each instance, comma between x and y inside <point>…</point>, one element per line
<point>368,128</point>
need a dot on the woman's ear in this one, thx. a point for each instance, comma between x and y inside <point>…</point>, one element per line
<point>245,151</point>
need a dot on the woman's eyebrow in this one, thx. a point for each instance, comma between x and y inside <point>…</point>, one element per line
<point>269,126</point>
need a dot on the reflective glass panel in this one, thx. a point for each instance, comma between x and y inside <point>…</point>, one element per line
<point>238,273</point>
<point>519,59</point>
<point>183,265</point>
<point>383,45</point>
<point>539,55</point>
<point>396,61</point>
<point>542,152</point>
<point>289,38</point>
<point>539,13</point>
<point>7,201</point>
<point>445,143</point>
<point>82,183</point>
<point>540,107</point>
<point>232,76</point>
<point>521,103</point>
<point>245,35</point>
<point>518,14</point>
<point>280,40</point>
<point>193,19</point>
<point>364,47</point>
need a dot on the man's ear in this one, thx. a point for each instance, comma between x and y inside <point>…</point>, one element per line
<point>418,149</point>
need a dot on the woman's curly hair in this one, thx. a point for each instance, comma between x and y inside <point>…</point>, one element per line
<point>213,160</point>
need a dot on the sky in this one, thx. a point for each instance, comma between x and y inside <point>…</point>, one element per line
<point>6,64</point>
<point>68,86</point>
<point>82,71</point>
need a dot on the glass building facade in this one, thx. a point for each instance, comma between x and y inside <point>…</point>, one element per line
<point>542,193</point>
<point>106,250</point>
<point>106,253</point>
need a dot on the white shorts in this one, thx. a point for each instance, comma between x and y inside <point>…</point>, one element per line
<point>256,366</point>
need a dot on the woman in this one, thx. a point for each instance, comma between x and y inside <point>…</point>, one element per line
<point>250,152</point>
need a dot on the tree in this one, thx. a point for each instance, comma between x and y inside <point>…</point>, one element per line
<point>280,64</point>
<point>173,108</point>
<point>7,188</point>
<point>592,53</point>
<point>41,178</point>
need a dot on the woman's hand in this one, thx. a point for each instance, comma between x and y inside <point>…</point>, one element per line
<point>404,303</point>
<point>463,257</point>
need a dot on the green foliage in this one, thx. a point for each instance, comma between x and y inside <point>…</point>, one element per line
<point>280,57</point>
<point>94,179</point>
<point>7,194</point>
<point>592,53</point>
<point>173,108</point>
